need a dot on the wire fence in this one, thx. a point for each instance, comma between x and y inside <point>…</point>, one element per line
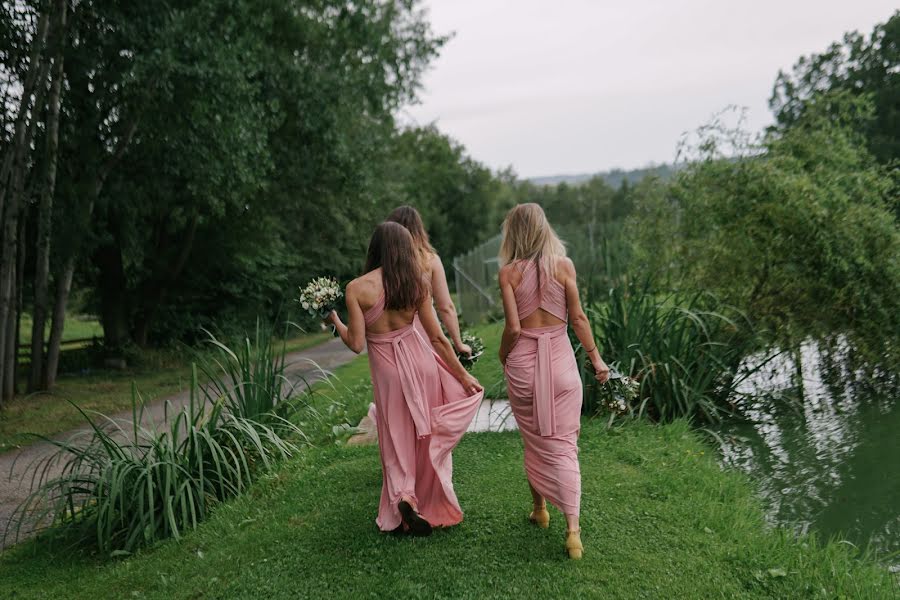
<point>478,295</point>
<point>598,250</point>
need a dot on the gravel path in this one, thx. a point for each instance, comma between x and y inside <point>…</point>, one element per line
<point>16,466</point>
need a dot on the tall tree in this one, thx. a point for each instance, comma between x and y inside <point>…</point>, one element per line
<point>45,207</point>
<point>13,176</point>
<point>859,66</point>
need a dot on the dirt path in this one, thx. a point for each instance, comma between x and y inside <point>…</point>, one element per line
<point>16,465</point>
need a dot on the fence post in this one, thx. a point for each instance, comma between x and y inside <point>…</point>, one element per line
<point>459,294</point>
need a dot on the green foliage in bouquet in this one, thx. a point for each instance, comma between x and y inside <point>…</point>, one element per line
<point>476,344</point>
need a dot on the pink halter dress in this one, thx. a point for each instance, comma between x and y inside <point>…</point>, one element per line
<point>423,412</point>
<point>545,392</point>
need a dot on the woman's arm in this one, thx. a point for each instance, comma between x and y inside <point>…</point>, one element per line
<point>443,348</point>
<point>579,321</point>
<point>353,336</point>
<point>513,328</point>
<point>443,303</point>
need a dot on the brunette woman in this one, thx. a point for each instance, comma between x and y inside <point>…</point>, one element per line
<point>424,396</point>
<point>433,269</point>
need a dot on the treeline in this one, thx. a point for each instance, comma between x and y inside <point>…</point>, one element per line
<point>801,229</point>
<point>187,163</point>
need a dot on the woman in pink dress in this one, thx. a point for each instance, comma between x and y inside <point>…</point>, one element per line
<point>424,397</point>
<point>540,293</point>
<point>433,268</point>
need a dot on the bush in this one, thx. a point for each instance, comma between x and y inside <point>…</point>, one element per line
<point>126,486</point>
<point>250,380</point>
<point>685,352</point>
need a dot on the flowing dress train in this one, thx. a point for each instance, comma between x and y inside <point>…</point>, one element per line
<point>422,413</point>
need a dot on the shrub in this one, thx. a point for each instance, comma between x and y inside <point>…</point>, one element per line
<point>250,380</point>
<point>685,351</point>
<point>126,486</point>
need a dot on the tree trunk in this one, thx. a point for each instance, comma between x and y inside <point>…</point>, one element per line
<point>18,141</point>
<point>112,287</point>
<point>64,282</point>
<point>15,316</point>
<point>158,286</point>
<point>45,208</point>
<point>63,287</point>
<point>12,183</point>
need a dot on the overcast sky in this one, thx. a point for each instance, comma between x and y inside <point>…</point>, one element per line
<point>572,86</point>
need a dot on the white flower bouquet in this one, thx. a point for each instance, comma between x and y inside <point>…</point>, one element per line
<point>619,393</point>
<point>320,296</point>
<point>476,344</point>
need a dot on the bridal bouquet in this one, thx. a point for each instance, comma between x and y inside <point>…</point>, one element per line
<point>619,392</point>
<point>320,296</point>
<point>477,346</point>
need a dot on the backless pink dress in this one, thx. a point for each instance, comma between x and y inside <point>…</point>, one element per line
<point>422,413</point>
<point>545,392</point>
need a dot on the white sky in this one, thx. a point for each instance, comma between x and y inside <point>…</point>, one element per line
<point>572,86</point>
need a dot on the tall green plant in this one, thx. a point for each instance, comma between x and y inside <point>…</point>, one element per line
<point>126,486</point>
<point>250,379</point>
<point>685,351</point>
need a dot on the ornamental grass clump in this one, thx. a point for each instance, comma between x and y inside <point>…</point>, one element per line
<point>123,485</point>
<point>685,352</point>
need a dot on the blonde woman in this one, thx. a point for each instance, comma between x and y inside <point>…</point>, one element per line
<point>540,294</point>
<point>434,272</point>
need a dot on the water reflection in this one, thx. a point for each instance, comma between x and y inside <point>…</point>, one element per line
<point>822,438</point>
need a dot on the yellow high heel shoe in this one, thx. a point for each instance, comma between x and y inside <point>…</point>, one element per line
<point>540,517</point>
<point>573,544</point>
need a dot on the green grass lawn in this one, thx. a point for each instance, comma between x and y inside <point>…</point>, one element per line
<point>76,327</point>
<point>160,374</point>
<point>660,520</point>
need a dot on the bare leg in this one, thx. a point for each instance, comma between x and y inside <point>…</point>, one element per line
<point>572,523</point>
<point>536,498</point>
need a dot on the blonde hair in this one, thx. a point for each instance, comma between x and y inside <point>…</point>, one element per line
<point>528,235</point>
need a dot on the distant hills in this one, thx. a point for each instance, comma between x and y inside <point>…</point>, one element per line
<point>614,177</point>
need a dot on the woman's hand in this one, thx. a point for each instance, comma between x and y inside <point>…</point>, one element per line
<point>463,348</point>
<point>332,318</point>
<point>470,384</point>
<point>601,371</point>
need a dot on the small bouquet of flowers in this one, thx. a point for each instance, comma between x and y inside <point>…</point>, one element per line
<point>619,393</point>
<point>320,296</point>
<point>477,346</point>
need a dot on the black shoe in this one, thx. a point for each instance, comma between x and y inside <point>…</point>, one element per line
<point>417,525</point>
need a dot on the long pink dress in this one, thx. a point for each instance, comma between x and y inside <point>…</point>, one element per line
<point>423,412</point>
<point>545,393</point>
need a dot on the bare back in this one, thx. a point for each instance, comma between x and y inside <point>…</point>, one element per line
<point>369,292</point>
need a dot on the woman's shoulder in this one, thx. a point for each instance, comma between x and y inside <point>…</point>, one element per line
<point>510,272</point>
<point>365,286</point>
<point>564,264</point>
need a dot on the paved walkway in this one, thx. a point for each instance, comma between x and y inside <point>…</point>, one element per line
<point>16,467</point>
<point>492,415</point>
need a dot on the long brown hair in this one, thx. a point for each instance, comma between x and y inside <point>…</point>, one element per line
<point>392,249</point>
<point>410,218</point>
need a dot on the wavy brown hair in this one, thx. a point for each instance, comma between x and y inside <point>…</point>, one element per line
<point>410,218</point>
<point>392,248</point>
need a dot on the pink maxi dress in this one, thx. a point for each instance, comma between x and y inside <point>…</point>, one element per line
<point>545,393</point>
<point>422,413</point>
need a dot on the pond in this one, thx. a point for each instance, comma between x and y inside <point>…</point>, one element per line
<point>823,444</point>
